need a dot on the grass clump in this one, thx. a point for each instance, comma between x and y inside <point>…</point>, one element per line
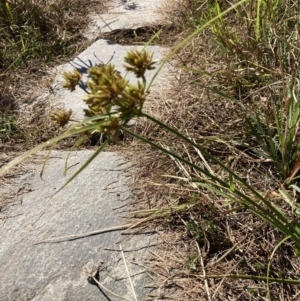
<point>261,49</point>
<point>256,67</point>
<point>33,36</point>
<point>42,30</point>
<point>7,126</point>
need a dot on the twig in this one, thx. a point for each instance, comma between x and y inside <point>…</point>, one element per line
<point>77,236</point>
<point>109,291</point>
<point>224,255</point>
<point>107,24</point>
<point>132,250</point>
<point>204,272</point>
<point>130,281</point>
<point>297,295</point>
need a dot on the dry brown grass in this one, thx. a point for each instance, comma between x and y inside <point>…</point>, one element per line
<point>242,244</point>
<point>214,236</point>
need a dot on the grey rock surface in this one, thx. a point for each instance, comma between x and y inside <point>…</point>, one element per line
<point>122,14</point>
<point>103,52</point>
<point>127,14</point>
<point>56,271</point>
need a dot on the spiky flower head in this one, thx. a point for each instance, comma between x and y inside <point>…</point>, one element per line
<point>71,80</point>
<point>138,62</point>
<point>106,85</point>
<point>132,98</point>
<point>111,127</point>
<point>61,117</point>
<point>94,111</point>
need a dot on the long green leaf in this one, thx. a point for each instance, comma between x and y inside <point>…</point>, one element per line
<point>69,133</point>
<point>275,217</point>
<point>86,163</point>
<point>270,260</point>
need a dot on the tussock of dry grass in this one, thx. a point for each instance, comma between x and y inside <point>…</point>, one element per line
<point>33,31</point>
<point>243,243</point>
<point>24,75</point>
<point>185,267</point>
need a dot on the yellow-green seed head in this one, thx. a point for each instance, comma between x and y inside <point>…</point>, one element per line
<point>138,62</point>
<point>61,117</point>
<point>71,80</point>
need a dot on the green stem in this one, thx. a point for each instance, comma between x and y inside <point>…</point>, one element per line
<point>183,137</point>
<point>269,264</point>
<point>267,216</point>
<point>285,226</point>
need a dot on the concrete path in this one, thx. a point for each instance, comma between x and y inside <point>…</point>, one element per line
<point>57,271</point>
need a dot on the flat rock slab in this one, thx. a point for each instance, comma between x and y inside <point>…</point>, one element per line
<point>127,14</point>
<point>56,271</point>
<point>122,14</point>
<point>104,52</point>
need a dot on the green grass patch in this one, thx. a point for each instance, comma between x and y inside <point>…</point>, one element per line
<point>8,126</point>
<point>33,35</point>
<point>38,30</point>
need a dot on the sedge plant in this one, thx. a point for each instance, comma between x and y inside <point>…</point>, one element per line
<point>112,101</point>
